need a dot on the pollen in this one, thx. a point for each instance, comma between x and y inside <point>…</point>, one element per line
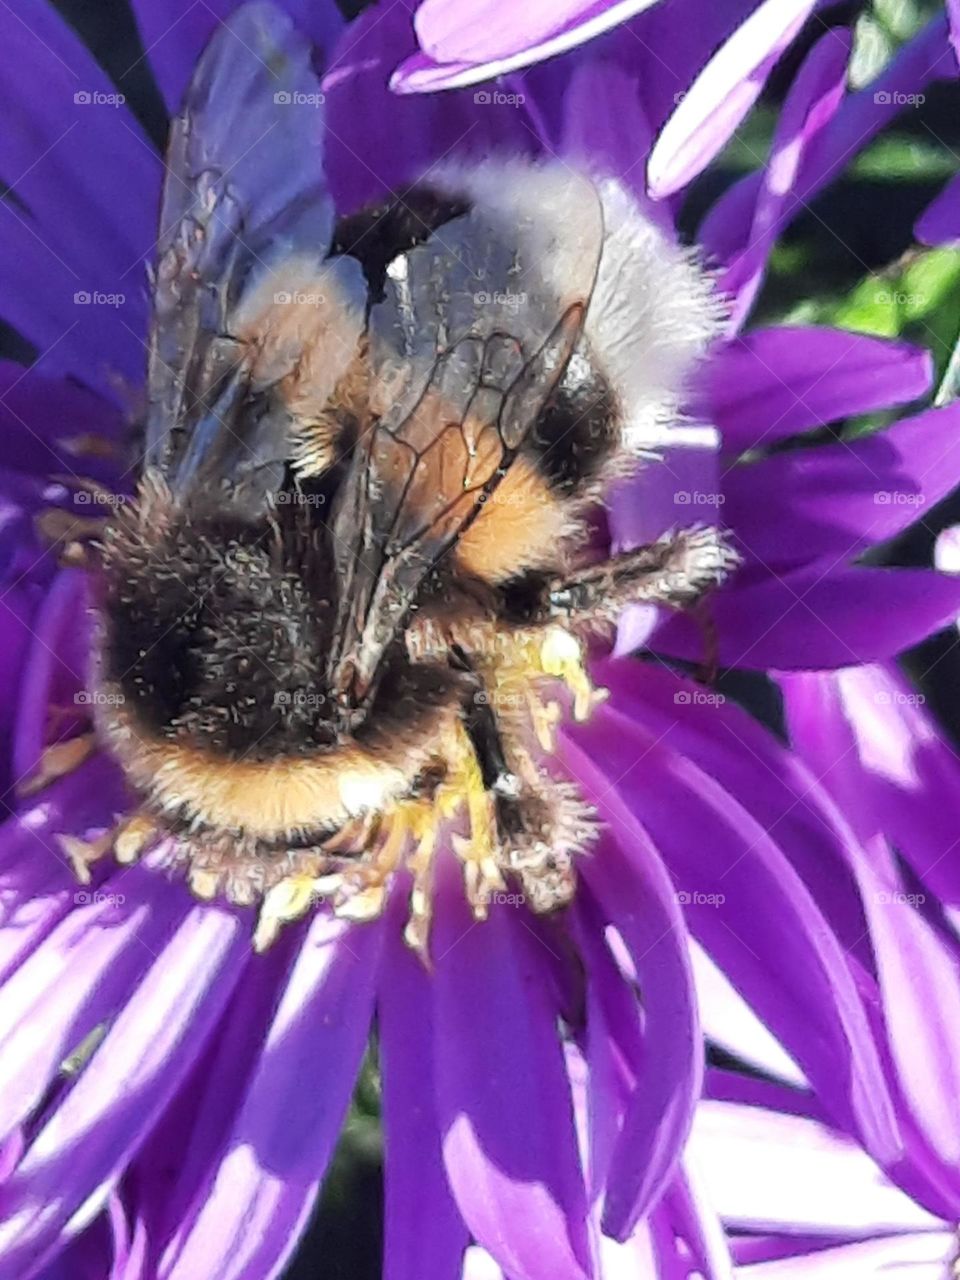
<point>461,814</point>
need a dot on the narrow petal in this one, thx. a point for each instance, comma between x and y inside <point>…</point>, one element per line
<point>245,1222</point>
<point>775,383</point>
<point>722,94</point>
<point>838,499</point>
<point>730,1022</point>
<point>908,1257</point>
<point>920,986</point>
<point>868,737</point>
<point>940,221</point>
<point>637,897</point>
<point>503,1099</point>
<point>811,103</point>
<point>926,57</point>
<point>768,1171</point>
<point>73,1161</point>
<point>461,47</point>
<point>425,1235</point>
<point>953,17</point>
<point>76,980</point>
<point>694,1218</point>
<point>747,906</point>
<point>819,616</point>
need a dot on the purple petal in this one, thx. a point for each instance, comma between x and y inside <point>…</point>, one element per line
<point>463,46</point>
<point>908,1257</point>
<point>425,1235</point>
<point>751,911</point>
<point>782,794</point>
<point>79,977</point>
<point>819,616</point>
<point>55,672</point>
<point>615,1053</point>
<point>775,383</point>
<point>694,1218</point>
<point>363,161</point>
<point>636,896</point>
<point>867,735</point>
<point>730,1022</point>
<point>768,1171</point>
<point>88,1138</point>
<point>683,484</point>
<point>953,16</point>
<point>46,421</point>
<point>65,140</point>
<point>247,1219</point>
<point>811,103</point>
<point>605,128</point>
<point>838,499</point>
<point>503,1099</point>
<point>175,33</point>
<point>722,94</point>
<point>920,986</point>
<point>940,221</point>
<point>926,57</point>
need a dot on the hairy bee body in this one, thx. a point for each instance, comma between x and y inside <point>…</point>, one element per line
<point>360,557</point>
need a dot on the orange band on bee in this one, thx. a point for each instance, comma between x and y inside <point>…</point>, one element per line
<point>269,799</point>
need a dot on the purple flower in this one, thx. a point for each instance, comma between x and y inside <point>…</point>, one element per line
<point>209,1083</point>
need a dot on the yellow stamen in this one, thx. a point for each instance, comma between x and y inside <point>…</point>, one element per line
<point>57,761</point>
<point>132,838</point>
<point>288,900</point>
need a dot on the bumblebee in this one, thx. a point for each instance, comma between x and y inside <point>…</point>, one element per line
<point>352,594</point>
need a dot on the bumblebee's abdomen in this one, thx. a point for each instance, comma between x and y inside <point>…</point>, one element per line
<point>213,633</point>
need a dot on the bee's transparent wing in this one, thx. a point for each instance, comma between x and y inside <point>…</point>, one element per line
<point>465,349</point>
<point>244,196</point>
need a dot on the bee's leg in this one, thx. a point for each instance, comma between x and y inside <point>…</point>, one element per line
<point>677,571</point>
<point>483,730</point>
<point>543,829</point>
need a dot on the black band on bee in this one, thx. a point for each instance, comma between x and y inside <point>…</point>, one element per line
<point>376,235</point>
<point>578,429</point>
